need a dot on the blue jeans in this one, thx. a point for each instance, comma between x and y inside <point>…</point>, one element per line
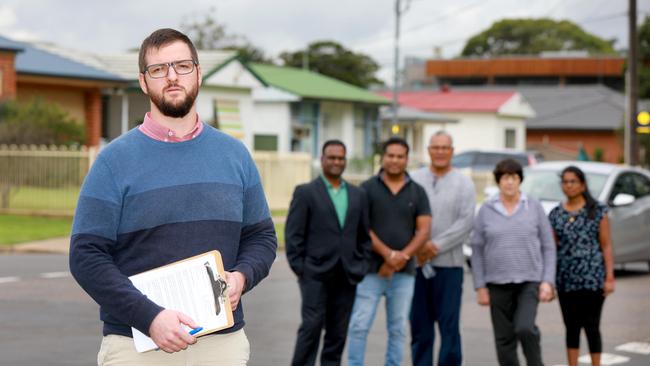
<point>437,300</point>
<point>398,291</point>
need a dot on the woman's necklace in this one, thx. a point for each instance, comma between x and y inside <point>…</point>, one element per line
<point>573,212</point>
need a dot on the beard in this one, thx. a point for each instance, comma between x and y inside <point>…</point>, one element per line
<point>175,109</point>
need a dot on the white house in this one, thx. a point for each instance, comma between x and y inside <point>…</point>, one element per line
<point>297,110</point>
<point>485,119</point>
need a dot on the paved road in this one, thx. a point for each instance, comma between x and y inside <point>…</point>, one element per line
<point>45,319</point>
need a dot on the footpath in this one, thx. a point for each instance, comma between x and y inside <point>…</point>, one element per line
<point>54,245</point>
<point>61,245</point>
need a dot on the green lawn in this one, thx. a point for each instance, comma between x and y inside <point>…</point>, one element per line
<point>61,200</point>
<point>279,231</point>
<point>279,213</point>
<point>17,229</point>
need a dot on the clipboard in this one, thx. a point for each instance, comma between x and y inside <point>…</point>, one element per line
<point>195,286</point>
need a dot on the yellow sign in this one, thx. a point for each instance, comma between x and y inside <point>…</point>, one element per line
<point>643,122</point>
<point>395,129</point>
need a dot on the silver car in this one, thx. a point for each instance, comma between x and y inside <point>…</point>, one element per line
<point>625,190</point>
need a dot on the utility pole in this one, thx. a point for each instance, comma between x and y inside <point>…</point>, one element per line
<point>398,14</point>
<point>631,137</point>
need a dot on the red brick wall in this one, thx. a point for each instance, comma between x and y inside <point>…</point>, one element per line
<point>608,141</point>
<point>8,77</point>
<point>93,109</point>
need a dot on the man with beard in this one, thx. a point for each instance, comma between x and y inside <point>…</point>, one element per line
<point>400,220</point>
<point>327,247</point>
<point>170,189</point>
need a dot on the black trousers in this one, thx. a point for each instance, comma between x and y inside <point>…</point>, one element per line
<point>513,308</point>
<point>326,304</point>
<point>582,309</point>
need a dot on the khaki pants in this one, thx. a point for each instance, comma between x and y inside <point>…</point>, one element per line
<point>230,349</point>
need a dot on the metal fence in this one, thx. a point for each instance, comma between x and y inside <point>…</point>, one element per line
<point>45,180</point>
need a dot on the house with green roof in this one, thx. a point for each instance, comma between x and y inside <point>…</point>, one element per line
<point>295,110</point>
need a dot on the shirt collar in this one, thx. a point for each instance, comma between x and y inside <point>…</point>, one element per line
<point>523,198</point>
<point>381,175</point>
<point>157,131</point>
<point>330,186</point>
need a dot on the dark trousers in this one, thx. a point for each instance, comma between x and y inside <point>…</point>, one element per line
<point>582,309</point>
<point>326,304</point>
<point>437,300</point>
<point>513,308</point>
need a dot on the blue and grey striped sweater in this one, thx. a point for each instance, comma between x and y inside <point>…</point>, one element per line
<point>512,248</point>
<point>147,203</point>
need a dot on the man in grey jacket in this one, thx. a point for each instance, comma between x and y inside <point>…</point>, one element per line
<point>439,280</point>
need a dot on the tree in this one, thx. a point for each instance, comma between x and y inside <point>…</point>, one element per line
<point>208,34</point>
<point>250,53</point>
<point>532,36</point>
<point>332,59</point>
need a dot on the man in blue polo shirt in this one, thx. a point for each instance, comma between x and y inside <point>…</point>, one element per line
<point>400,221</point>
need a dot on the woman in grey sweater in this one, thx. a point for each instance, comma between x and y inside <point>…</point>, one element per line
<point>513,264</point>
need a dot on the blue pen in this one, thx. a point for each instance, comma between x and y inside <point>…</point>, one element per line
<point>192,332</point>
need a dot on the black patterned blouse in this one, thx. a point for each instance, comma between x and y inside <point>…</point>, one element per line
<point>580,263</point>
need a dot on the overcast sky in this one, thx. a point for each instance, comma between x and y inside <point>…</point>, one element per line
<point>280,25</point>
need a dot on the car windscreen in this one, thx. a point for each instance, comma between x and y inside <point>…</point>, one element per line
<point>545,184</point>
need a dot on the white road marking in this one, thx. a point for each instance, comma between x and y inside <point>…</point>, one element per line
<point>642,348</point>
<point>9,279</point>
<point>605,359</point>
<point>55,274</point>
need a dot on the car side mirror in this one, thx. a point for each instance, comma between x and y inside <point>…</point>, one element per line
<point>623,199</point>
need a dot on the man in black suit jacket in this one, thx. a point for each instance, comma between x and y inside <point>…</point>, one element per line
<point>328,248</point>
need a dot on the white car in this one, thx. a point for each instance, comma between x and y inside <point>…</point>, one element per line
<point>624,189</point>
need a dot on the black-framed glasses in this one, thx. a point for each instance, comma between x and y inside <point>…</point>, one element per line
<point>181,67</point>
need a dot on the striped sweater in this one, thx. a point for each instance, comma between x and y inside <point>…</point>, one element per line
<point>147,203</point>
<point>512,248</point>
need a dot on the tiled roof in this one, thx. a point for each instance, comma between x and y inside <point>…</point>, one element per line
<point>569,107</point>
<point>453,101</point>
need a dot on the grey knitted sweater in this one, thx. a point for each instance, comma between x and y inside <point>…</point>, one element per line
<point>512,248</point>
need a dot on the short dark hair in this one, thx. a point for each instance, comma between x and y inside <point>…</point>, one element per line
<point>394,141</point>
<point>333,142</point>
<point>508,166</point>
<point>160,38</point>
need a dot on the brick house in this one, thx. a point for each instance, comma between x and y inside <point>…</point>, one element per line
<point>27,71</point>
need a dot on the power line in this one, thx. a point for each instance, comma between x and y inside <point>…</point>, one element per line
<point>430,22</point>
<point>602,18</point>
<point>444,16</point>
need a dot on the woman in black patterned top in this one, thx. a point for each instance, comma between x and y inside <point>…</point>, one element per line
<point>585,266</point>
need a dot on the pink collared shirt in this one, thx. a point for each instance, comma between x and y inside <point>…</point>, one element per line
<point>159,132</point>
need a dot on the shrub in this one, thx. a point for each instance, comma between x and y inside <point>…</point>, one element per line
<point>38,122</point>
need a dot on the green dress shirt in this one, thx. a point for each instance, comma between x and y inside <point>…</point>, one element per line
<point>339,198</point>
